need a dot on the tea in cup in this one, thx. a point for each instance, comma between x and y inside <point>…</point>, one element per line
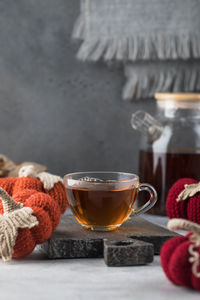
<point>102,201</point>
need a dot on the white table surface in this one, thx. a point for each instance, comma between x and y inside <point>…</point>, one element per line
<point>35,277</point>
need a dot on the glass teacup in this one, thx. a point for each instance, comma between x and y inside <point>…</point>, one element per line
<point>102,201</point>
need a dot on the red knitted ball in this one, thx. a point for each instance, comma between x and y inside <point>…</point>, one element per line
<point>196,281</point>
<point>166,252</point>
<point>179,266</point>
<point>179,209</point>
<point>193,209</point>
<point>175,261</point>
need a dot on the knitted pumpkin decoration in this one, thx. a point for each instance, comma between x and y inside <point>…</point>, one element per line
<point>30,211</point>
<point>183,200</point>
<point>180,256</point>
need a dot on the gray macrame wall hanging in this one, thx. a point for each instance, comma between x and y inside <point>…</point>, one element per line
<point>157,41</point>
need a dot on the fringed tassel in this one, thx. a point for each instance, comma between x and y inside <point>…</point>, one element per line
<point>159,45</point>
<point>79,29</point>
<point>144,80</point>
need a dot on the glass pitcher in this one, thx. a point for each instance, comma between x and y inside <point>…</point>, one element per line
<point>170,144</point>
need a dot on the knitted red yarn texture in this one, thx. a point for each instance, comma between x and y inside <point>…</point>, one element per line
<point>47,206</point>
<point>186,209</point>
<point>175,262</point>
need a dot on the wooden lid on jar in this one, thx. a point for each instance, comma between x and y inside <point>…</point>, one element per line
<point>178,96</point>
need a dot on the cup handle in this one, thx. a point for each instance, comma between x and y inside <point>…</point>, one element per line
<point>150,203</point>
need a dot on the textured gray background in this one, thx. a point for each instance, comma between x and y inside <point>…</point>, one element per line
<point>54,109</point>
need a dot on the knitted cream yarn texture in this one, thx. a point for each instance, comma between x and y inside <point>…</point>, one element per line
<point>176,224</point>
<point>180,256</point>
<point>189,191</point>
<point>183,200</point>
<point>47,179</point>
<point>15,216</point>
<point>9,168</point>
<point>30,211</point>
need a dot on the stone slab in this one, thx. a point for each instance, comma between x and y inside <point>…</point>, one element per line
<point>133,243</point>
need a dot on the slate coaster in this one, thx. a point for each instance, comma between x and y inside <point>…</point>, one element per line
<point>127,253</point>
<point>134,243</point>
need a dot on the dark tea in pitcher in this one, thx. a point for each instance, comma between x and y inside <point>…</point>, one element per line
<point>163,169</point>
<point>170,143</point>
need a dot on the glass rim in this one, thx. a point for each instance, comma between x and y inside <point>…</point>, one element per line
<point>128,180</point>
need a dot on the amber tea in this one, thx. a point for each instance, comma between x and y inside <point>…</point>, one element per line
<point>104,200</point>
<point>101,207</point>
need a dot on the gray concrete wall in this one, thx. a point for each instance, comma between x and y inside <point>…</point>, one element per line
<point>54,109</point>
